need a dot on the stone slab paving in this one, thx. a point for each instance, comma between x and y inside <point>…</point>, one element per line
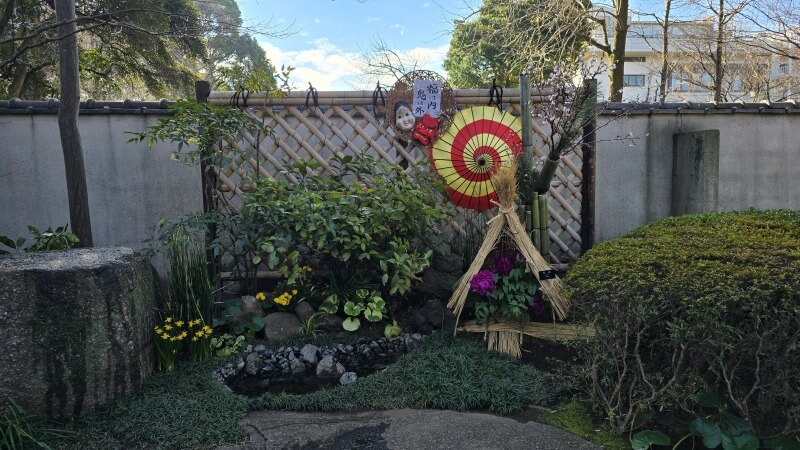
<point>403,429</point>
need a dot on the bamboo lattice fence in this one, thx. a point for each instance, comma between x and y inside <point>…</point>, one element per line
<point>346,123</point>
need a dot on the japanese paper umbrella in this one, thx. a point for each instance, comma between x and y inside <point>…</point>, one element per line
<point>479,141</point>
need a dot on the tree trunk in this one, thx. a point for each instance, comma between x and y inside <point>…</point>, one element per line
<point>718,60</point>
<point>18,81</point>
<point>68,122</point>
<point>618,51</point>
<point>662,85</point>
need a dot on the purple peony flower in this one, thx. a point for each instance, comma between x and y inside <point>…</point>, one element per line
<point>503,263</point>
<point>537,308</point>
<point>483,282</point>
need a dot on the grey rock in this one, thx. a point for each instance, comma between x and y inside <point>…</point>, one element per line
<point>249,305</point>
<point>296,366</point>
<point>248,349</point>
<point>309,353</point>
<point>252,363</point>
<point>260,348</point>
<point>281,325</point>
<point>448,263</point>
<point>348,378</point>
<point>330,322</point>
<point>303,310</point>
<point>240,366</point>
<point>431,316</point>
<point>70,318</point>
<point>328,367</point>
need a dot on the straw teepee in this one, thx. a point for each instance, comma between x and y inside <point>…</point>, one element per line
<point>507,336</point>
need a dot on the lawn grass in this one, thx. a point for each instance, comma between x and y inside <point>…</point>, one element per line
<point>187,408</point>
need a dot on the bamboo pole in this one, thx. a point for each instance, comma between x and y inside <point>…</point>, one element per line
<point>525,115</point>
<point>544,236</point>
<point>536,220</point>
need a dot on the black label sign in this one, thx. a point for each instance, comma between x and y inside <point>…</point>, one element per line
<point>547,274</point>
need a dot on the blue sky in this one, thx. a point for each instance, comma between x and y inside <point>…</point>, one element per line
<point>329,35</point>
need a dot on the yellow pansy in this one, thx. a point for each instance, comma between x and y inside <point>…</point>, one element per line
<point>261,296</point>
<point>179,323</point>
<point>167,327</point>
<point>168,320</point>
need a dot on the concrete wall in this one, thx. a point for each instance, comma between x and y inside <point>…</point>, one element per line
<point>130,186</point>
<point>759,165</point>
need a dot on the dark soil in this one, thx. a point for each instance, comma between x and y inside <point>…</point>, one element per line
<point>546,355</point>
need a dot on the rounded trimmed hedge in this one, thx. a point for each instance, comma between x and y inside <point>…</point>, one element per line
<point>694,302</point>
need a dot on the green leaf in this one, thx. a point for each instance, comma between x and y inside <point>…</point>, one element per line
<point>351,324</point>
<point>746,441</point>
<point>330,305</point>
<point>373,315</point>
<point>711,399</point>
<point>5,240</point>
<point>256,323</point>
<point>391,330</point>
<point>256,260</point>
<point>647,438</point>
<point>353,309</point>
<point>734,425</point>
<point>708,431</point>
<point>782,443</point>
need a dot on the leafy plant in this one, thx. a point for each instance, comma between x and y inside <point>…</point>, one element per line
<point>49,239</point>
<point>310,326</point>
<point>722,427</point>
<point>20,430</point>
<point>505,290</point>
<point>227,344</point>
<point>366,222</point>
<point>363,301</point>
<point>236,321</point>
<point>392,330</point>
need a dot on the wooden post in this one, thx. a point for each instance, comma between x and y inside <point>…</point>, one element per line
<point>588,167</point>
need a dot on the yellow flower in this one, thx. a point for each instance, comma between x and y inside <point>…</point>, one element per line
<point>167,327</point>
<point>199,334</point>
<point>168,320</point>
<point>294,291</point>
<point>194,339</point>
<point>261,296</point>
<point>208,329</point>
<point>179,323</point>
<point>307,268</point>
<point>165,336</point>
<point>158,330</point>
<point>173,339</point>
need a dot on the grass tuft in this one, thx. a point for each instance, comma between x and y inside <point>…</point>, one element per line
<point>445,373</point>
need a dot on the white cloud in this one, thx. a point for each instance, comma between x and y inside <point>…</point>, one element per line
<point>329,67</point>
<point>316,20</point>
<point>402,28</point>
<point>374,19</point>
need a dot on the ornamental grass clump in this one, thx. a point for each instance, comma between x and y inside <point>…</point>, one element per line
<point>693,303</point>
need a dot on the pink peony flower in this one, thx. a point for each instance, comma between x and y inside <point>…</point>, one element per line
<point>483,282</point>
<point>503,263</point>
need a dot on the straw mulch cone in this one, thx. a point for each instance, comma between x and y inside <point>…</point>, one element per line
<point>507,223</point>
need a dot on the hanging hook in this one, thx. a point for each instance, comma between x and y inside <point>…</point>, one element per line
<point>312,94</point>
<point>496,94</point>
<point>378,92</point>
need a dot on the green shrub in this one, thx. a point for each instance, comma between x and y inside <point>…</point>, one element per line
<point>49,239</point>
<point>367,224</point>
<point>709,300</point>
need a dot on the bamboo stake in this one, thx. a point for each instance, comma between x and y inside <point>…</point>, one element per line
<point>536,220</point>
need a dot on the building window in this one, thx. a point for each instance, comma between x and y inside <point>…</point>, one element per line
<point>633,80</point>
<point>634,59</point>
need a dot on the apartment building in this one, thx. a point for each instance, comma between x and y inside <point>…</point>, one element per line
<point>751,73</point>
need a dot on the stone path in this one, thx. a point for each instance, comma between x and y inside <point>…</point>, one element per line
<point>401,429</point>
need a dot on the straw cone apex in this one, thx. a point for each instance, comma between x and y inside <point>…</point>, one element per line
<point>505,184</point>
